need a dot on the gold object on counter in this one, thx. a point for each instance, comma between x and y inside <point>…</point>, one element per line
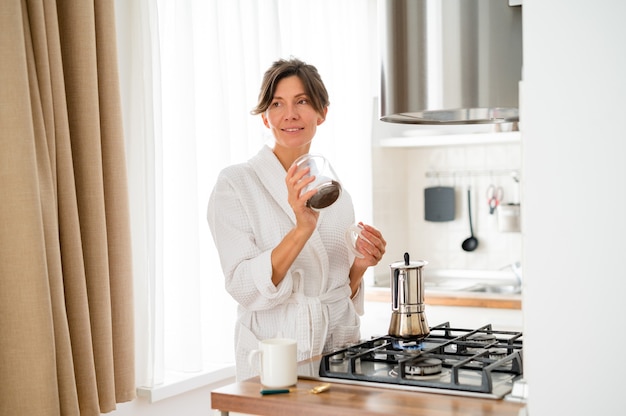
<point>320,389</point>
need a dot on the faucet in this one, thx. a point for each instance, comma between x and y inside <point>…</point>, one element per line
<point>516,268</point>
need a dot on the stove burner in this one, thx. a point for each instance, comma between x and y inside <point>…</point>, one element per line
<point>437,376</point>
<point>423,366</point>
<point>479,342</point>
<point>337,357</point>
<point>497,353</point>
<point>346,353</point>
<point>482,339</point>
<point>407,345</point>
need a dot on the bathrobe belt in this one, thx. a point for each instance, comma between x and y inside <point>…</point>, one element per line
<point>312,317</point>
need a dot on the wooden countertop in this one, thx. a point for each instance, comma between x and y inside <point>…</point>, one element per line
<point>348,400</point>
<point>479,300</point>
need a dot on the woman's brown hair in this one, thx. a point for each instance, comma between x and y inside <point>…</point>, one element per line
<point>313,84</point>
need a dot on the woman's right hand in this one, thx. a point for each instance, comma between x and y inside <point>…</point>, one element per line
<point>306,218</point>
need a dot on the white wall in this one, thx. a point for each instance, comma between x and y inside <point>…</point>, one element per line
<point>400,177</point>
<point>574,145</point>
<point>192,403</point>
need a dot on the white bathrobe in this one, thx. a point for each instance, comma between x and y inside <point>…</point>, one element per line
<point>249,215</point>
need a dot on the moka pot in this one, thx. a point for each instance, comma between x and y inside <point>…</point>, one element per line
<point>407,293</point>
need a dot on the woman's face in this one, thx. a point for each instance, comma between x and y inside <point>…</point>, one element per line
<point>290,116</point>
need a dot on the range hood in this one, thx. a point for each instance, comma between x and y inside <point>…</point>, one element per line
<point>450,61</point>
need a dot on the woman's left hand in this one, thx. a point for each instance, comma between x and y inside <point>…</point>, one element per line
<point>371,244</point>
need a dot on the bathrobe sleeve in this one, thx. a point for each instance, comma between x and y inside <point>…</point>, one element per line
<point>239,212</point>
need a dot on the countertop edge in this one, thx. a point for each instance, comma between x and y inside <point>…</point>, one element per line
<point>244,397</point>
<point>470,299</point>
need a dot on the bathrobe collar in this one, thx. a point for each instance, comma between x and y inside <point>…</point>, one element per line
<point>272,175</point>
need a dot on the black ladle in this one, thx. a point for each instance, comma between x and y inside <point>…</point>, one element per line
<point>470,242</point>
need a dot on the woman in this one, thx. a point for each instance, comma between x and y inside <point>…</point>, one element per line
<point>286,265</point>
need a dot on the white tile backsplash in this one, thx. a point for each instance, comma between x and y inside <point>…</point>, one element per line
<point>400,177</point>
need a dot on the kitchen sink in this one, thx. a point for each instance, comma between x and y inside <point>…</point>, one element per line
<point>507,280</point>
<point>474,288</point>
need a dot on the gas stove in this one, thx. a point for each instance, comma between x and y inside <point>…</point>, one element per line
<point>481,362</point>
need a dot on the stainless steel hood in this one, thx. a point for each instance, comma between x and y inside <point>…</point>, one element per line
<point>450,61</point>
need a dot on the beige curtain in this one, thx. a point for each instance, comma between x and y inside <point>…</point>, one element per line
<point>66,318</point>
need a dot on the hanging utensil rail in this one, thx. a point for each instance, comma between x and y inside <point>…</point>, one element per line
<point>468,172</point>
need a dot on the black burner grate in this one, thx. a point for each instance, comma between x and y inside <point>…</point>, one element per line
<point>472,360</point>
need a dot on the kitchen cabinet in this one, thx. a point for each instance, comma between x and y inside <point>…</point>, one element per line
<point>453,298</point>
<point>352,400</point>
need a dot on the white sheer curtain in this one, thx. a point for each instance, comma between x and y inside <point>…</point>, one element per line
<point>191,71</point>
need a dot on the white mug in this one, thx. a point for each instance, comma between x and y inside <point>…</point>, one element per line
<point>353,233</point>
<point>279,362</point>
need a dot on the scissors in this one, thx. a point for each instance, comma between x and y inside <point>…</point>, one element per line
<point>494,196</point>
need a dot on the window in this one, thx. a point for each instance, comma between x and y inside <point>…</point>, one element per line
<point>190,74</point>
